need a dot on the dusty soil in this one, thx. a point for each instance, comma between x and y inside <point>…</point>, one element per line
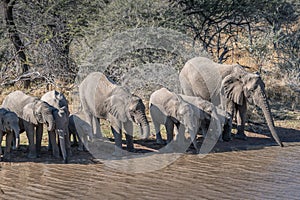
<point>258,138</point>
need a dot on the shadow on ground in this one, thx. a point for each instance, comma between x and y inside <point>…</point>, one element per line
<point>258,137</point>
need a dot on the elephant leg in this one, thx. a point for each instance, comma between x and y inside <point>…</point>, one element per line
<point>193,139</point>
<point>9,139</point>
<point>179,134</point>
<point>158,118</point>
<point>39,135</point>
<point>116,128</point>
<point>49,142</point>
<point>89,118</point>
<point>55,149</point>
<point>169,124</point>
<point>226,135</point>
<point>96,127</point>
<point>1,138</point>
<point>159,139</point>
<point>68,143</point>
<point>241,119</point>
<point>30,136</point>
<point>128,127</point>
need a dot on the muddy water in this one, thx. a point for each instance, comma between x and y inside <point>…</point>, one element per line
<point>270,173</point>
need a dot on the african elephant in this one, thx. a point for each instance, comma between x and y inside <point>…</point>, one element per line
<point>9,125</point>
<point>80,129</point>
<point>213,114</point>
<point>170,109</point>
<point>228,85</point>
<point>32,113</point>
<point>101,98</point>
<point>60,111</point>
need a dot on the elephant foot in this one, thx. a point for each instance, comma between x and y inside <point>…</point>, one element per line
<point>160,141</point>
<point>31,155</point>
<point>226,138</point>
<point>56,156</point>
<point>117,152</point>
<point>80,148</point>
<point>74,144</point>
<point>6,157</point>
<point>66,161</point>
<point>240,136</point>
<point>133,150</point>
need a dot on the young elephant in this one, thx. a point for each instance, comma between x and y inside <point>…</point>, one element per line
<point>9,125</point>
<point>168,108</point>
<point>101,98</point>
<point>60,112</point>
<point>80,129</point>
<point>32,113</point>
<point>213,115</point>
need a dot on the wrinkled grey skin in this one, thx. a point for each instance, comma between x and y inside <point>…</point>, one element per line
<point>80,129</point>
<point>197,78</point>
<point>212,112</point>
<point>9,126</point>
<point>101,98</point>
<point>32,113</point>
<point>61,113</point>
<point>170,109</point>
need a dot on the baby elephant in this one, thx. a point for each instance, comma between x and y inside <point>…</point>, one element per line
<point>80,129</point>
<point>9,125</point>
<point>214,113</point>
<point>170,109</point>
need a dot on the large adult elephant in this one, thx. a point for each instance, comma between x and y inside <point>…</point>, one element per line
<point>101,98</point>
<point>61,114</point>
<point>229,85</point>
<point>9,125</point>
<point>32,113</point>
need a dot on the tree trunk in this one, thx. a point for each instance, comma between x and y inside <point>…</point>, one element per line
<point>14,36</point>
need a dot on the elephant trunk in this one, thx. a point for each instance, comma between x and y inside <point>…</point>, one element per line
<point>50,122</point>
<point>143,121</point>
<point>61,135</point>
<point>264,105</point>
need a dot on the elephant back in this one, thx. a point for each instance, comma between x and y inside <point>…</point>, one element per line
<point>16,101</point>
<point>204,78</point>
<point>94,90</point>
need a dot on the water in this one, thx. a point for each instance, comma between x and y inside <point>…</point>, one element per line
<point>270,173</point>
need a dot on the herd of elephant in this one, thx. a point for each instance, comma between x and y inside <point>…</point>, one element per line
<point>212,93</point>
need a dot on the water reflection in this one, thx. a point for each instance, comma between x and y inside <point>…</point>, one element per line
<point>257,174</point>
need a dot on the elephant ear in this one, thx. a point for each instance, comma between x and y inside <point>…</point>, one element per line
<point>136,103</point>
<point>232,88</point>
<point>172,106</point>
<point>116,107</point>
<point>28,114</point>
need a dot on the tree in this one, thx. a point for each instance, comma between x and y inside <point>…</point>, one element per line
<point>14,36</point>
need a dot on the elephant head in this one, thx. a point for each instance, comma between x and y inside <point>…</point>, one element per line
<point>136,110</point>
<point>10,123</point>
<point>183,112</point>
<point>241,86</point>
<point>124,106</point>
<point>39,112</point>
